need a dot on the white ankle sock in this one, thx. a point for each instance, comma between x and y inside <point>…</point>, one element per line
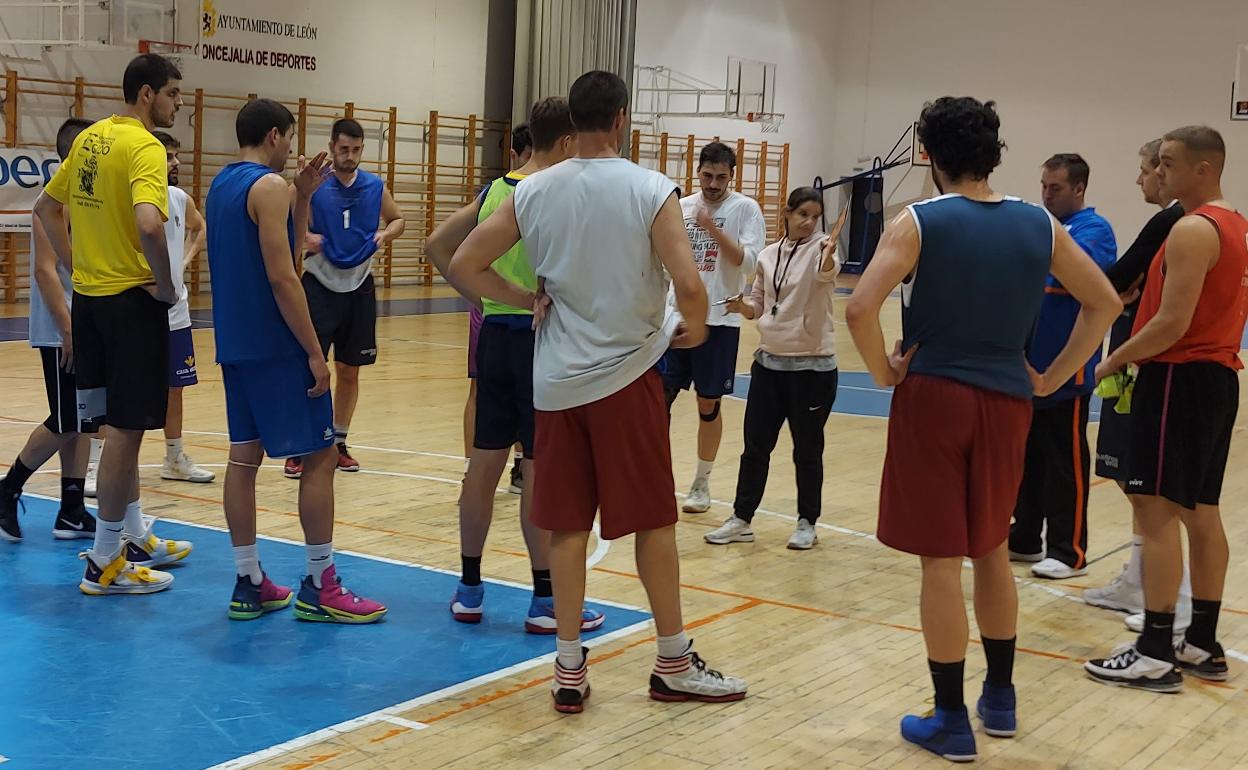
<point>340,433</point>
<point>320,558</point>
<point>134,525</point>
<point>107,540</point>
<point>1185,587</point>
<point>1135,571</point>
<point>247,562</point>
<point>569,654</point>
<point>704,470</point>
<point>673,646</point>
<point>173,448</point>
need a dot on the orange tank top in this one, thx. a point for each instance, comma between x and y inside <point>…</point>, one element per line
<point>1218,323</point>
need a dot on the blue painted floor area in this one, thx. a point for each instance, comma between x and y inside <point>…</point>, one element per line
<point>858,395</point>
<point>167,681</point>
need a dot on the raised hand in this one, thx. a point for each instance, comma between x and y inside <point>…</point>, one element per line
<point>311,173</point>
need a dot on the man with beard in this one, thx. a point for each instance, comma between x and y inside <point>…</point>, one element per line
<point>112,189</point>
<point>726,230</point>
<point>338,273</point>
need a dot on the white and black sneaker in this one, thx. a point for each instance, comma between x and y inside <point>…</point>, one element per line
<point>10,528</point>
<point>1209,665</point>
<point>74,525</point>
<point>570,689</point>
<point>733,530</point>
<point>1126,667</point>
<point>687,678</point>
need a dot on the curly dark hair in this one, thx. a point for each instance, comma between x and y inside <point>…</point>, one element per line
<point>961,136</point>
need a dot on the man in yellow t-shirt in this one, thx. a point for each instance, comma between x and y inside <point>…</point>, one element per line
<point>112,190</point>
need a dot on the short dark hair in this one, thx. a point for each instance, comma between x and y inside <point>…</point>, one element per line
<point>149,69</point>
<point>595,99</point>
<point>168,140</point>
<point>804,195</point>
<point>521,139</point>
<point>257,118</point>
<point>1198,139</point>
<point>67,133</point>
<point>346,127</point>
<point>962,136</point>
<point>1152,151</point>
<point>1076,167</point>
<point>549,121</point>
<point>718,152</point>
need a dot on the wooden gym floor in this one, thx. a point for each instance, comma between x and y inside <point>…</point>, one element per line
<point>828,639</point>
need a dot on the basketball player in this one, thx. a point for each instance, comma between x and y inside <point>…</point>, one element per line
<point>113,191</point>
<point>1126,592</point>
<point>600,231</point>
<point>273,366</point>
<point>338,273</point>
<point>504,411</point>
<point>1186,340</point>
<point>185,233</point>
<point>727,231</point>
<point>51,335</point>
<point>1053,496</point>
<point>519,155</point>
<point>972,265</point>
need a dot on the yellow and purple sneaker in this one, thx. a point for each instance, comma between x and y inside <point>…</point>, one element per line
<point>250,601</point>
<point>151,551</point>
<point>331,603</point>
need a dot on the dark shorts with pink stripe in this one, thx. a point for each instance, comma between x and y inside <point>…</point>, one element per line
<point>954,465</point>
<point>1182,417</point>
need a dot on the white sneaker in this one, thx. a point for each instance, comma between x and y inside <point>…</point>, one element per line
<point>152,551</point>
<point>699,499</point>
<point>1052,569</point>
<point>687,678</point>
<point>1121,594</point>
<point>804,537</point>
<point>1126,667</point>
<point>1026,558</point>
<point>183,469</point>
<point>734,530</point>
<point>120,576</point>
<point>1182,618</point>
<point>93,472</point>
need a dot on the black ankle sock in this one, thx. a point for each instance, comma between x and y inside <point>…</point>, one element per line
<point>1204,629</point>
<point>17,477</point>
<point>1000,655</point>
<point>470,570</point>
<point>947,677</point>
<point>71,495</point>
<point>1157,638</point>
<point>541,583</point>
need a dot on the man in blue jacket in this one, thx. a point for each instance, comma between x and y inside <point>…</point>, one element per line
<point>1058,463</point>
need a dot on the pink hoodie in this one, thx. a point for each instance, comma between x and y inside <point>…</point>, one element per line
<point>800,323</point>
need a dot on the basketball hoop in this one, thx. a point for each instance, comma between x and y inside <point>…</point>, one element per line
<point>768,122</point>
<point>169,50</point>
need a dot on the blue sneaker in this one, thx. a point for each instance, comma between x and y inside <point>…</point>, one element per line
<point>945,733</point>
<point>466,603</point>
<point>996,711</point>
<point>541,619</point>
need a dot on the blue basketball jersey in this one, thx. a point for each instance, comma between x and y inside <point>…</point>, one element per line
<point>247,324</point>
<point>347,218</point>
<point>973,299</point>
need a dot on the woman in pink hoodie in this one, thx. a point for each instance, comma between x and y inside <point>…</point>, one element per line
<point>794,374</point>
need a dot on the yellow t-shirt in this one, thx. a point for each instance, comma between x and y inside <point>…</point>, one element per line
<point>113,166</point>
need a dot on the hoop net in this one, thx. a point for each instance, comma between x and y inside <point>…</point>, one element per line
<point>768,122</point>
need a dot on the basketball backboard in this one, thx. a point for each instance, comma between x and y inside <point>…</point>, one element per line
<point>1239,86</point>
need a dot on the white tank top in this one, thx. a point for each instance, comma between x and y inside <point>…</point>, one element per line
<point>175,234</point>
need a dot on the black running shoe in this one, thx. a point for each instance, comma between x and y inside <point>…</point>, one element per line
<point>517,479</point>
<point>74,525</point>
<point>10,529</point>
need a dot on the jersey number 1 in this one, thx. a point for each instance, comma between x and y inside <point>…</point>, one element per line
<point>346,219</point>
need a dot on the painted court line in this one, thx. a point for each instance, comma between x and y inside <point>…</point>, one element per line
<point>386,714</point>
